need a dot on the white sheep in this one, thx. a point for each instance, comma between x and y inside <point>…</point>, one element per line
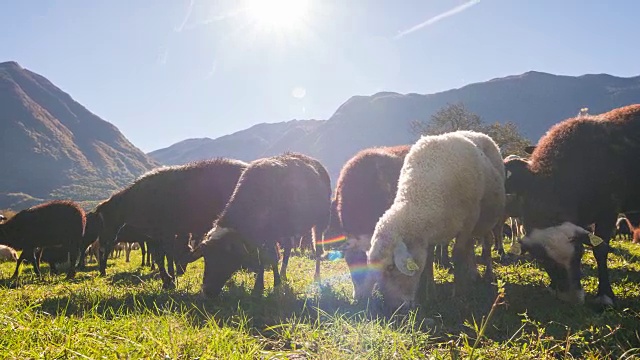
<point>7,254</point>
<point>450,186</point>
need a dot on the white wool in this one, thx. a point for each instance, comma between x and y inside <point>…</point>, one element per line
<point>7,253</point>
<point>556,240</point>
<point>449,183</point>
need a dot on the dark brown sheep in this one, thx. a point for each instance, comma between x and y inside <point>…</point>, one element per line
<point>166,202</point>
<point>276,198</point>
<point>366,187</point>
<point>49,225</point>
<point>579,174</point>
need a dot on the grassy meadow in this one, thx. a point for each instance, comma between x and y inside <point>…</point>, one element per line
<point>126,315</point>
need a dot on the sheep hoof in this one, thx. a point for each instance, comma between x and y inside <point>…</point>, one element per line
<point>168,285</point>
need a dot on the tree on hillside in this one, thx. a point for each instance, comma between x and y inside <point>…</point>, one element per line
<point>450,118</point>
<point>454,117</point>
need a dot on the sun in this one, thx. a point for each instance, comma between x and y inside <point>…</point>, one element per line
<point>280,15</point>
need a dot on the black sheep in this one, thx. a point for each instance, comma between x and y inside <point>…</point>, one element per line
<point>49,225</point>
<point>166,202</point>
<point>578,175</point>
<point>275,198</point>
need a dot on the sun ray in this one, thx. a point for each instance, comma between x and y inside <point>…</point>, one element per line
<point>278,15</point>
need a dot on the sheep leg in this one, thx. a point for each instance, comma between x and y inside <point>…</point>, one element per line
<point>170,264</point>
<point>72,257</point>
<point>499,240</point>
<point>35,256</point>
<point>487,241</point>
<point>23,257</point>
<point>127,251</point>
<point>604,229</point>
<point>258,288</point>
<point>286,253</point>
<point>464,268</point>
<point>427,284</point>
<point>143,251</point>
<point>277,280</point>
<point>318,253</point>
<point>158,257</point>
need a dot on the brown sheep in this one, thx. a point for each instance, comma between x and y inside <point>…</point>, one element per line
<point>48,225</point>
<point>366,187</point>
<point>579,174</point>
<point>167,202</point>
<point>276,198</point>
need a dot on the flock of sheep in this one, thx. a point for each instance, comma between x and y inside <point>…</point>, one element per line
<point>397,209</point>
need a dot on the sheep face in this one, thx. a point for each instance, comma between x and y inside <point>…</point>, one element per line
<point>559,250</point>
<point>398,278</point>
<point>356,257</point>
<point>225,251</point>
<point>518,176</point>
<point>181,250</point>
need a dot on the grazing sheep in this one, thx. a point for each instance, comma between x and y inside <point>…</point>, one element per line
<point>636,236</point>
<point>450,186</point>
<point>169,201</point>
<point>7,254</point>
<point>365,189</point>
<point>53,256</point>
<point>579,173</point>
<point>276,198</point>
<point>624,229</point>
<point>52,224</point>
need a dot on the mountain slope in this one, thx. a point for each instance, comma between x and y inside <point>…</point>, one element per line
<point>53,147</point>
<point>245,145</point>
<point>533,100</point>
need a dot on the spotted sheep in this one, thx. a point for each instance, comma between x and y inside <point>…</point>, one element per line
<point>450,186</point>
<point>578,175</point>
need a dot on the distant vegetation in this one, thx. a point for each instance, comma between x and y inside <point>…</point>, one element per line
<point>456,116</point>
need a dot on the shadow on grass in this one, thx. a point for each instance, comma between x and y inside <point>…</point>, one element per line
<point>273,307</point>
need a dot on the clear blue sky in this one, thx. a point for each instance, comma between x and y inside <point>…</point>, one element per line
<point>167,70</point>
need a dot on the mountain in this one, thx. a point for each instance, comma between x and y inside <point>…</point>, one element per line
<point>533,100</point>
<point>53,147</point>
<point>247,145</point>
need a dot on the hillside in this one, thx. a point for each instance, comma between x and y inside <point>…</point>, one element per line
<point>244,145</point>
<point>533,100</point>
<point>53,147</point>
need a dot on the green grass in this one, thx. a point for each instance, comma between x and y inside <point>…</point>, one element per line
<point>127,315</point>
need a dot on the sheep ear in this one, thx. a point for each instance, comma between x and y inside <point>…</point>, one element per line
<point>529,149</point>
<point>403,260</point>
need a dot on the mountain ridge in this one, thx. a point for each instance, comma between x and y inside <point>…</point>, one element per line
<point>534,100</point>
<point>54,147</point>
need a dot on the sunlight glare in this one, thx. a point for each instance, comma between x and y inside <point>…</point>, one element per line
<point>282,15</point>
